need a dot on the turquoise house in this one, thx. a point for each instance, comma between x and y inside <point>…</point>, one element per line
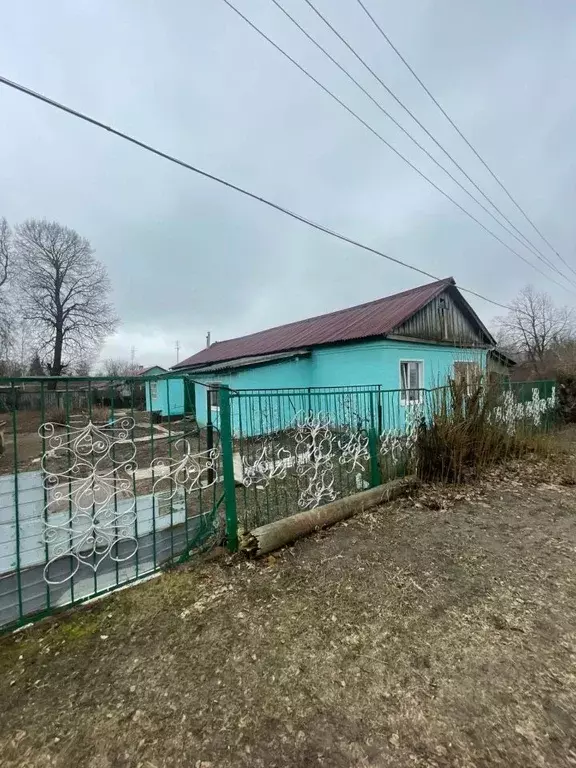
<point>403,344</point>
<point>163,394</point>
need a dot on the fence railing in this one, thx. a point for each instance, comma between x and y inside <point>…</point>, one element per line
<point>99,489</point>
<point>94,493</point>
<point>295,449</point>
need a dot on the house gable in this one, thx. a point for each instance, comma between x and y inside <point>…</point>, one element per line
<point>447,319</point>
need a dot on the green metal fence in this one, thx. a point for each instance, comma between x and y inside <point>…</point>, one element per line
<point>295,449</point>
<point>96,491</point>
<point>533,404</point>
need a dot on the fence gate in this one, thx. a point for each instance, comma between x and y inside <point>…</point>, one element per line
<point>103,481</point>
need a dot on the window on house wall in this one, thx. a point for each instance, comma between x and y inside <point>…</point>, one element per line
<point>214,394</point>
<point>411,381</point>
<point>466,373</point>
<point>153,390</point>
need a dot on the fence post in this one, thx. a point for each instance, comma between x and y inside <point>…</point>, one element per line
<point>373,445</point>
<point>228,469</point>
<point>209,430</point>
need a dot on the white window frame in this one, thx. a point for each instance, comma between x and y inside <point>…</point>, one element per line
<point>403,399</point>
<point>153,390</point>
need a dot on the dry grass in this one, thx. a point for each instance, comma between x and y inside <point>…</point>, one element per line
<point>463,436</point>
<point>438,631</point>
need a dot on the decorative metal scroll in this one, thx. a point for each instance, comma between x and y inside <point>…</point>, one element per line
<point>354,450</point>
<point>393,445</point>
<point>184,470</point>
<point>511,411</point>
<point>267,465</point>
<point>314,460</point>
<point>398,444</point>
<point>90,510</point>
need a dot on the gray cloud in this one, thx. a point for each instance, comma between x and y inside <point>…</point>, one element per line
<point>186,255</point>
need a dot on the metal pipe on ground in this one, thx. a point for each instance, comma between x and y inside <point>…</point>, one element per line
<point>267,538</point>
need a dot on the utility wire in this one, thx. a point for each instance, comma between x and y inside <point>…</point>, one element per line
<point>530,245</point>
<point>387,143</point>
<point>235,187</point>
<point>539,255</point>
<point>459,132</point>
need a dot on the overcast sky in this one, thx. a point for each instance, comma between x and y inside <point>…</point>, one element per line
<point>186,255</point>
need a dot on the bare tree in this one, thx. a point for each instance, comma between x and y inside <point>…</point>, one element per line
<point>82,367</point>
<point>36,368</point>
<point>534,328</point>
<point>5,265</point>
<point>65,292</point>
<point>118,367</point>
<point>5,250</point>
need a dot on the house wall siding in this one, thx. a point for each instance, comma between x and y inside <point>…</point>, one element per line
<point>441,320</point>
<point>169,399</point>
<point>151,405</point>
<point>368,363</point>
<point>378,363</point>
<point>290,373</point>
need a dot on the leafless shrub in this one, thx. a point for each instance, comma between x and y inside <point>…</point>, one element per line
<point>464,433</point>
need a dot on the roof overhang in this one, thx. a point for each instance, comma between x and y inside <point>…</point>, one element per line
<point>246,362</point>
<point>503,358</point>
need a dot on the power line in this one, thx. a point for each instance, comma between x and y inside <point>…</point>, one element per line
<point>533,249</point>
<point>235,187</point>
<point>387,143</point>
<point>527,242</point>
<point>459,132</point>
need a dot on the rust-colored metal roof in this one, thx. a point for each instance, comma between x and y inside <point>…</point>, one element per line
<point>376,318</point>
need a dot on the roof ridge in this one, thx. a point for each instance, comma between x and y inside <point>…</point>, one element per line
<point>373,318</point>
<point>447,280</point>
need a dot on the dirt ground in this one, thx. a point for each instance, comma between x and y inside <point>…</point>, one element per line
<point>30,446</point>
<point>436,631</point>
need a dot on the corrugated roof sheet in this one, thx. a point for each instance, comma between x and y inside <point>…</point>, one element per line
<point>246,362</point>
<point>376,318</point>
<point>144,371</point>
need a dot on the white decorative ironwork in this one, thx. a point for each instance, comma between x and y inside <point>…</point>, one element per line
<point>538,406</point>
<point>184,470</point>
<point>354,448</point>
<point>393,444</point>
<point>266,466</point>
<point>398,444</point>
<point>312,459</point>
<point>90,510</point>
<point>414,416</point>
<point>314,465</point>
<point>512,411</point>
